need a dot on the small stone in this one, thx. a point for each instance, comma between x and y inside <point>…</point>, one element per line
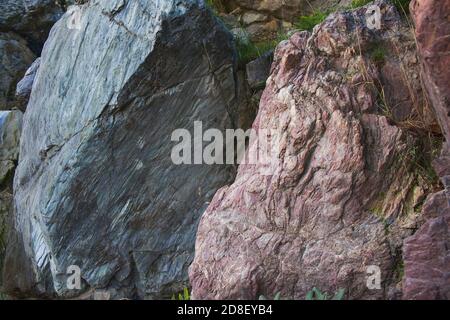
<point>23,90</point>
<point>258,71</point>
<point>252,17</point>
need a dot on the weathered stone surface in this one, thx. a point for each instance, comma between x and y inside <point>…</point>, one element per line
<point>5,217</point>
<point>10,127</point>
<point>287,10</point>
<point>15,58</point>
<point>264,20</point>
<point>427,253</point>
<point>31,19</point>
<point>341,195</point>
<point>252,17</point>
<point>248,105</point>
<point>259,70</point>
<point>427,256</point>
<point>281,8</point>
<point>23,90</point>
<point>95,185</point>
<point>432,32</point>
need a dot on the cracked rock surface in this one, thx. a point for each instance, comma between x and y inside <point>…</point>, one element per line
<point>342,196</point>
<point>95,185</point>
<point>427,253</point>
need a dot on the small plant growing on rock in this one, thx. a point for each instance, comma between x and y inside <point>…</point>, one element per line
<point>402,5</point>
<point>182,295</point>
<point>316,294</point>
<point>309,22</point>
<point>378,55</point>
<point>249,50</point>
<point>359,3</point>
<point>214,4</point>
<point>276,297</point>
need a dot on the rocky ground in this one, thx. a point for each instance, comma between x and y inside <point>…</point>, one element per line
<point>91,93</point>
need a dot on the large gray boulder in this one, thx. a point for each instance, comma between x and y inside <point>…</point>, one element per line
<point>95,185</point>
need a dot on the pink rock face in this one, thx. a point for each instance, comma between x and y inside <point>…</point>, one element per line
<point>431,18</point>
<point>340,198</point>
<point>427,253</point>
<point>427,259</point>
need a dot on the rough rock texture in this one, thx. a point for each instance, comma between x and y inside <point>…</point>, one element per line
<point>432,25</point>
<point>248,101</point>
<point>259,70</point>
<point>341,196</point>
<point>432,29</point>
<point>32,19</point>
<point>280,8</point>
<point>264,19</point>
<point>5,218</point>
<point>15,58</point>
<point>23,89</point>
<point>427,253</point>
<point>95,185</point>
<point>10,127</point>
